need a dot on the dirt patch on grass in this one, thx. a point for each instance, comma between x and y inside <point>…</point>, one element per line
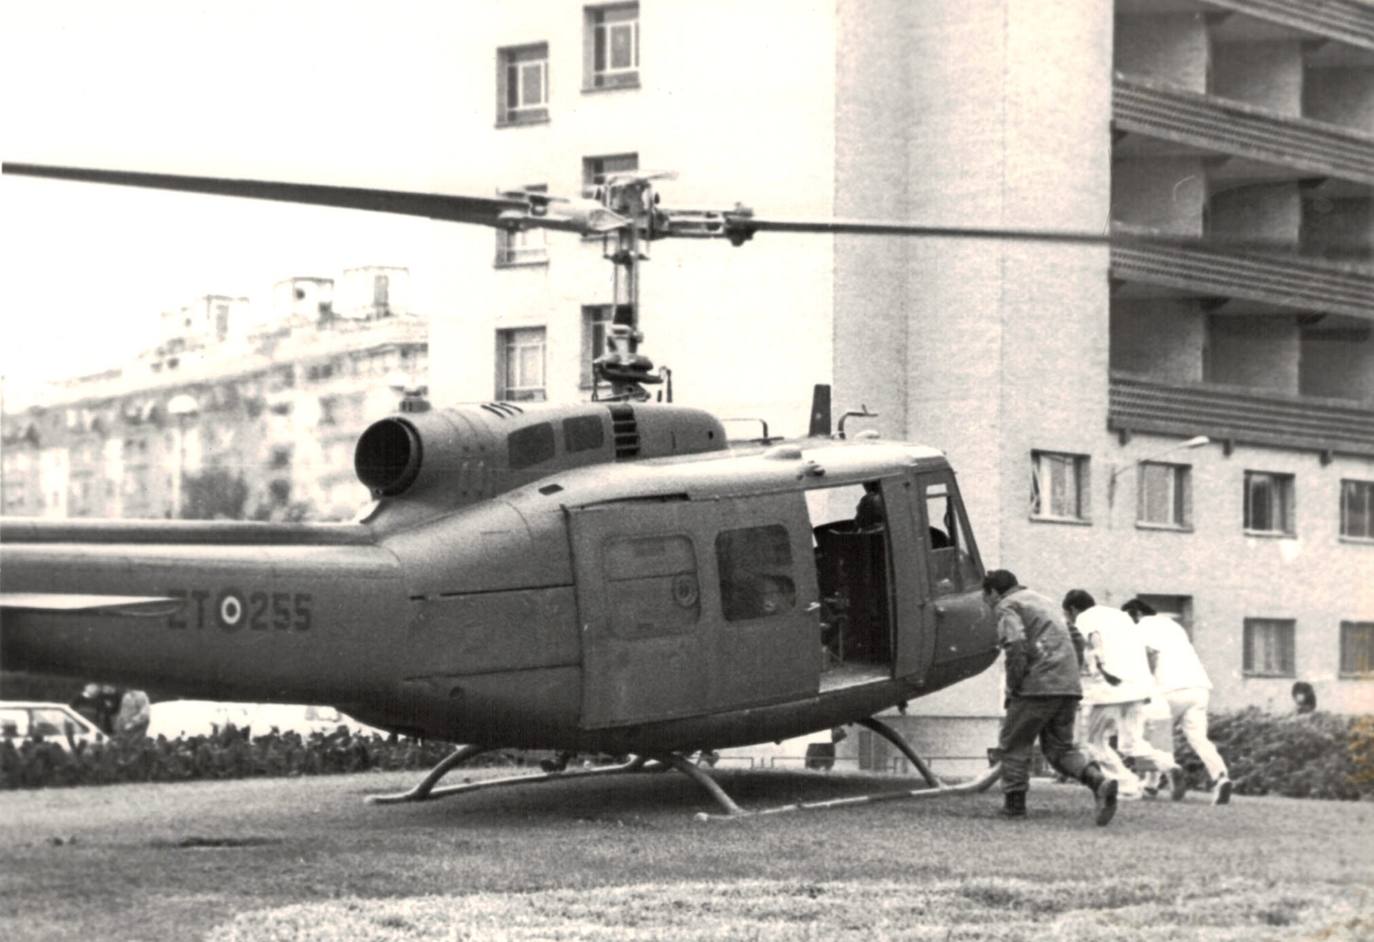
<point>1132,910</point>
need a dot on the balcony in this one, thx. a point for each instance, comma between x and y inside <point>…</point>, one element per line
<point>1195,122</point>
<point>1284,281</point>
<point>1345,21</point>
<point>1234,414</point>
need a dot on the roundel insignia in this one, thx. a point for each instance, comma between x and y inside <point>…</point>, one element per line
<point>685,590</point>
<point>229,607</point>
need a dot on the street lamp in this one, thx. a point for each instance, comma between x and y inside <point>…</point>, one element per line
<point>1196,441</point>
<point>184,407</point>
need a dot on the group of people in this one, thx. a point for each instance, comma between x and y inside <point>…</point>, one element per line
<point>1113,661</point>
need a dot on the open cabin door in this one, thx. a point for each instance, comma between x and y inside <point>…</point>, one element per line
<point>952,570</point>
<point>693,607</point>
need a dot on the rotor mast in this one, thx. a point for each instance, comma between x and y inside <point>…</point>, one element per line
<point>622,365</point>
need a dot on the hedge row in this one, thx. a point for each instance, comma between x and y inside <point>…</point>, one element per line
<point>1316,755</point>
<point>229,753</point>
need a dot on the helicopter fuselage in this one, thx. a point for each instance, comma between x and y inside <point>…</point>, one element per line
<point>511,588</point>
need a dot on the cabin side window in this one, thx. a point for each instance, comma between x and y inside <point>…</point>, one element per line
<point>651,585</point>
<point>756,578</point>
<point>530,445</point>
<point>583,433</point>
<point>952,567</point>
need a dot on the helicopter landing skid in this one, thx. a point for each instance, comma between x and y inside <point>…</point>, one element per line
<point>426,790</point>
<point>935,786</point>
<point>980,784</point>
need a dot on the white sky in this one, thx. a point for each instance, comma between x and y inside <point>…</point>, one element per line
<point>254,89</point>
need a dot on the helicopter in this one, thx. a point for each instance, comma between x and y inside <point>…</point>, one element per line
<point>613,576</point>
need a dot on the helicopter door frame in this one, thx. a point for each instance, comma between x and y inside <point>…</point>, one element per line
<point>772,653</point>
<point>952,572</point>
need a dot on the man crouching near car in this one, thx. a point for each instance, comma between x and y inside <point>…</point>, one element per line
<point>1043,656</point>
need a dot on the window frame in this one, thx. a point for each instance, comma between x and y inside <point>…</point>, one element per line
<point>1352,485</point>
<point>513,60</point>
<point>1354,673</point>
<point>594,316</point>
<point>1082,480</point>
<point>600,23</point>
<point>1288,641</point>
<point>1286,484</point>
<point>1180,498</point>
<point>533,242</point>
<point>508,343</point>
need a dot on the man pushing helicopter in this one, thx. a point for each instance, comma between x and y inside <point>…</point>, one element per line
<point>1043,655</point>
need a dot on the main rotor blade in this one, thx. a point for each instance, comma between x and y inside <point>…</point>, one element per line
<point>744,226</point>
<point>481,210</point>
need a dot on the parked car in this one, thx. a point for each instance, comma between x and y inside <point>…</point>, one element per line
<point>56,723</point>
<point>174,718</point>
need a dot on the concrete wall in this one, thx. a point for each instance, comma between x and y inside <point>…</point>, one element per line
<point>1340,96</point>
<point>1268,75</point>
<point>1171,48</point>
<point>1167,194</point>
<point>1341,229</point>
<point>1162,338</point>
<point>1269,213</point>
<point>747,330</point>
<point>1337,360</point>
<point>1261,352</point>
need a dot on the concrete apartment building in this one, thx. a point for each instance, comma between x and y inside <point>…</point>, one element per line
<point>277,402</point>
<point>1062,380</point>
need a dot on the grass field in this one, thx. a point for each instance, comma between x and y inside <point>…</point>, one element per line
<point>623,859</point>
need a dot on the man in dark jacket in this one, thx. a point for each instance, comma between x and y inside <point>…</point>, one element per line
<point>1043,656</point>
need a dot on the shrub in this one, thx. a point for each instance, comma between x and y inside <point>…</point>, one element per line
<point>229,753</point>
<point>1315,755</point>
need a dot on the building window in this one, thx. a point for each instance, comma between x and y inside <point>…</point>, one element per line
<point>1357,509</point>
<point>520,364</point>
<point>522,246</point>
<point>1177,607</point>
<point>612,46</point>
<point>596,327</point>
<point>522,84</point>
<point>1357,649</point>
<point>595,170</point>
<point>1269,503</point>
<point>1059,486</point>
<point>1165,495</point>
<point>1268,647</point>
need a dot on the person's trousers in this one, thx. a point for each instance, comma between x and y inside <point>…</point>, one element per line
<point>1127,720</point>
<point>1189,709</point>
<point>1049,719</point>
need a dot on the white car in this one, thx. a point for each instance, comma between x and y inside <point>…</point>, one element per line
<point>56,723</point>
<point>174,718</point>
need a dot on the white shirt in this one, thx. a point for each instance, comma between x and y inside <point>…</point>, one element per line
<point>1177,666</point>
<point>1114,640</point>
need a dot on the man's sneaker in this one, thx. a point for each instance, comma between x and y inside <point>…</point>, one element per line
<point>1178,784</point>
<point>1222,795</point>
<point>1105,796</point>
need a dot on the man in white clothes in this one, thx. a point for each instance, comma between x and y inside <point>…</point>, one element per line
<point>1117,694</point>
<point>1182,681</point>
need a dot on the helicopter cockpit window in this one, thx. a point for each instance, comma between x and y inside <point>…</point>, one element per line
<point>952,569</point>
<point>755,572</point>
<point>530,446</point>
<point>651,585</point>
<point>583,433</point>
